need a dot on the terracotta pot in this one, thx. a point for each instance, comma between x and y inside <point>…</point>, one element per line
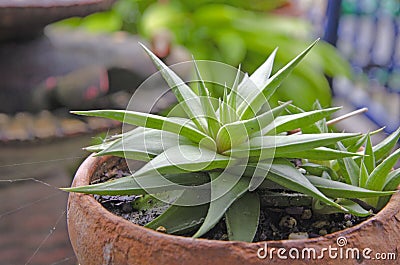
<point>99,237</point>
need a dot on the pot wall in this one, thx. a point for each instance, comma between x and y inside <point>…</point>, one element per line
<point>99,237</point>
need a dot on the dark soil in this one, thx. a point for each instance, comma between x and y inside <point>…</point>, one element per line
<point>275,223</point>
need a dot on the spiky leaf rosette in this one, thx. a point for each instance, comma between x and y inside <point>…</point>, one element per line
<point>212,163</point>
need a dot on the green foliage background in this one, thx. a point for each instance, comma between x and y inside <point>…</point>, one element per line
<point>232,32</point>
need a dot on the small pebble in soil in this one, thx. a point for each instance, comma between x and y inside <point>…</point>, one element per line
<point>347,217</point>
<point>307,214</point>
<point>299,235</point>
<point>320,224</point>
<point>161,229</point>
<point>288,222</point>
<point>335,229</point>
<point>349,223</point>
<point>322,232</point>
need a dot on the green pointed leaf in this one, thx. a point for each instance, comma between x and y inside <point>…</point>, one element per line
<point>363,177</point>
<point>377,178</point>
<point>354,208</point>
<point>286,175</point>
<point>252,105</point>
<point>318,170</point>
<point>244,87</point>
<point>180,219</point>
<point>392,183</point>
<point>100,147</point>
<point>320,153</point>
<point>353,144</point>
<point>142,185</point>
<point>222,197</point>
<point>264,146</point>
<point>292,109</point>
<point>351,207</point>
<point>313,128</point>
<point>212,121</point>
<point>369,158</point>
<point>112,139</point>
<point>319,126</point>
<point>337,189</point>
<point>242,217</point>
<point>253,85</point>
<point>261,75</point>
<point>348,167</point>
<point>232,98</point>
<point>224,110</point>
<point>184,158</point>
<point>300,120</point>
<point>179,126</point>
<point>383,149</point>
<point>187,98</point>
<point>158,201</point>
<point>144,145</point>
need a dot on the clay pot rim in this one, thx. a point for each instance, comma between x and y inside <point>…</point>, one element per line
<point>92,163</point>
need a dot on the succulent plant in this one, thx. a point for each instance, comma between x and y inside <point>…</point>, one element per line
<point>214,162</point>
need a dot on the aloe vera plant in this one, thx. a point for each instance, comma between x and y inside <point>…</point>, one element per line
<point>213,163</point>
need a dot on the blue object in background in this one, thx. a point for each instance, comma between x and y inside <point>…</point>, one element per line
<point>367,33</point>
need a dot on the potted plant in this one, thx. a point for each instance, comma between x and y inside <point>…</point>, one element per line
<point>213,174</point>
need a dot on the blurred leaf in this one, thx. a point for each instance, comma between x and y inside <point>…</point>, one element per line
<point>333,63</point>
<point>232,47</point>
<point>159,16</point>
